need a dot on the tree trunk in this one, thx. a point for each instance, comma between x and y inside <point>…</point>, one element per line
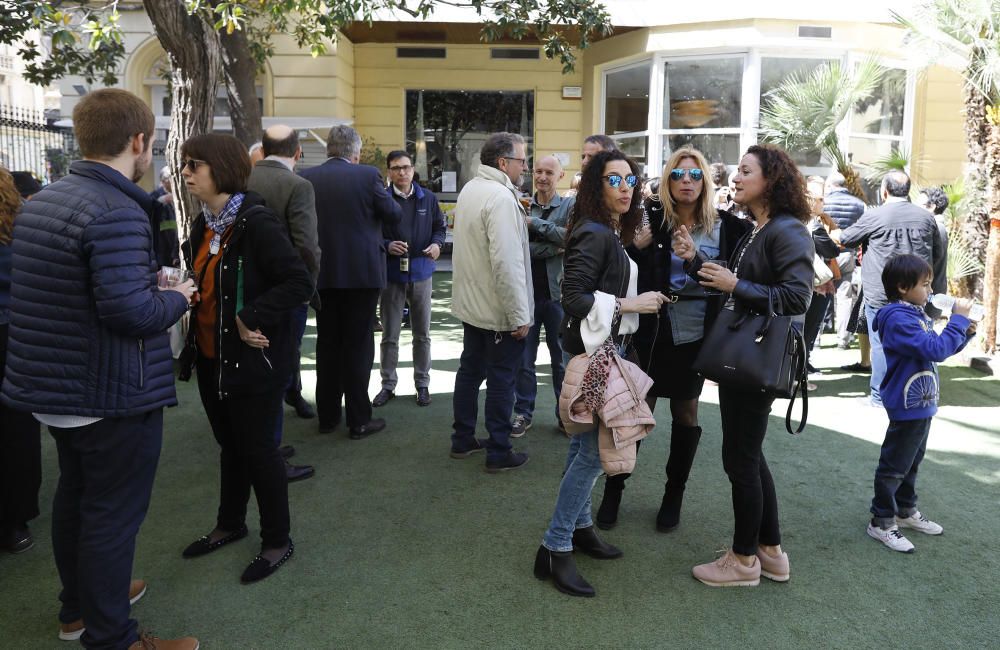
<point>974,230</point>
<point>239,71</point>
<point>193,49</point>
<point>991,285</point>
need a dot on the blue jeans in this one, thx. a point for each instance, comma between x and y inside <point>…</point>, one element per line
<point>299,317</point>
<point>106,472</point>
<point>583,467</point>
<point>495,357</point>
<point>896,476</point>
<point>548,313</point>
<point>877,355</point>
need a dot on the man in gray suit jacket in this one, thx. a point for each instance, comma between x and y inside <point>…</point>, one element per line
<point>292,198</point>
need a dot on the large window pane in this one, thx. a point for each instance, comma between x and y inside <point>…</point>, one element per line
<point>635,148</point>
<point>626,100</point>
<point>703,93</point>
<point>445,129</point>
<point>774,71</point>
<point>866,151</point>
<point>716,148</point>
<point>882,113</point>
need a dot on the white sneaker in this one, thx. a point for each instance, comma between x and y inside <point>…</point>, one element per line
<point>917,521</point>
<point>891,538</point>
<point>519,425</point>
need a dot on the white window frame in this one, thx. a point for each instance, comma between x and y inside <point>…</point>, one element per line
<point>651,62</point>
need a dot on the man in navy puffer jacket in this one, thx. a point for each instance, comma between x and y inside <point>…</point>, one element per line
<point>89,355</point>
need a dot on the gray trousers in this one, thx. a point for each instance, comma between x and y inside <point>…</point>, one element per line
<point>394,298</point>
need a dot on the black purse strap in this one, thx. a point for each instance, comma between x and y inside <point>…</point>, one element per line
<point>801,386</point>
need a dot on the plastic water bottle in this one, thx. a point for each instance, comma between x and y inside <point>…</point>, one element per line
<point>945,303</point>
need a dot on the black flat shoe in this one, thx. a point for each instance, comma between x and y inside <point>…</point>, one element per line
<point>423,397</point>
<point>383,398</point>
<point>303,409</point>
<point>202,546</point>
<point>365,430</point>
<point>18,540</point>
<point>260,568</point>
<point>298,472</point>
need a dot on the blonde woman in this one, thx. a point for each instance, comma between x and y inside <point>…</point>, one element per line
<point>685,223</point>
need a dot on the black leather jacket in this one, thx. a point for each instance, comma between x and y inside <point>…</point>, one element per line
<point>654,272</point>
<point>595,261</point>
<point>779,263</point>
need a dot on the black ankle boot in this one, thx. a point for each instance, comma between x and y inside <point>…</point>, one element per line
<point>562,569</point>
<point>607,513</point>
<point>683,446</point>
<point>587,541</point>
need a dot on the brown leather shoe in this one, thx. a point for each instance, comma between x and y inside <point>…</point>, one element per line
<point>73,631</point>
<point>149,642</point>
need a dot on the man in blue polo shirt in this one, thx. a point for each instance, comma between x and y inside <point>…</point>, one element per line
<point>408,279</point>
<point>547,234</point>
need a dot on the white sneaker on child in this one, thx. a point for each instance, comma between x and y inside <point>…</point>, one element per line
<point>917,521</point>
<point>891,537</point>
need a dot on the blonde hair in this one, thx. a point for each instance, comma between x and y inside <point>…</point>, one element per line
<point>705,212</point>
<point>10,202</point>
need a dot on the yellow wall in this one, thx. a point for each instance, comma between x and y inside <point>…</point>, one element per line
<point>308,87</point>
<point>939,149</point>
<point>381,81</point>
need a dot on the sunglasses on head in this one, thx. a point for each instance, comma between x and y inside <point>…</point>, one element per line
<point>192,164</point>
<point>615,180</point>
<point>695,174</point>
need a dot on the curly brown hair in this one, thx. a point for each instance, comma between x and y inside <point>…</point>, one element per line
<point>786,187</point>
<point>590,197</point>
<point>10,203</point>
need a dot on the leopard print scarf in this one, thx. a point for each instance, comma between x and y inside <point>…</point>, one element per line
<point>595,379</point>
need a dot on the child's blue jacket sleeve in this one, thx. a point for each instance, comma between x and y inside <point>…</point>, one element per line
<point>907,337</point>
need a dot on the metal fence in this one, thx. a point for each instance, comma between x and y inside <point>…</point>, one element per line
<point>29,142</point>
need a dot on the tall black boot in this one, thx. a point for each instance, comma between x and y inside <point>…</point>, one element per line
<point>683,446</point>
<point>607,512</point>
<point>561,567</point>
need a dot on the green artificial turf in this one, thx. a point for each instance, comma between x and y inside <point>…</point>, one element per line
<point>400,546</point>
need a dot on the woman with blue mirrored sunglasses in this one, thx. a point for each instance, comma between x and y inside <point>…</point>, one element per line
<point>695,174</point>
<point>615,180</point>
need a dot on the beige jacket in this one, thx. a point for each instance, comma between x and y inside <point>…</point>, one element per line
<point>491,263</point>
<point>624,419</point>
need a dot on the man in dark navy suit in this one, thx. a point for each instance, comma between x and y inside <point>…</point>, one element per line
<point>352,205</point>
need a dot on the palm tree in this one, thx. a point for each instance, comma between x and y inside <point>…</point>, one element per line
<point>968,33</point>
<point>803,113</point>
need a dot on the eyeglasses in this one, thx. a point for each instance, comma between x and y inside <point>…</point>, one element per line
<point>615,180</point>
<point>695,174</point>
<point>520,160</point>
<point>192,164</point>
<point>401,168</point>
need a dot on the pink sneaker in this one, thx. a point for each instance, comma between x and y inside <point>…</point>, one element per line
<point>774,568</point>
<point>728,571</point>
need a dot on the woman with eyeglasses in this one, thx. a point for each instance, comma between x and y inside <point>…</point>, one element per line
<point>249,278</point>
<point>771,267</point>
<point>598,287</point>
<point>685,224</point>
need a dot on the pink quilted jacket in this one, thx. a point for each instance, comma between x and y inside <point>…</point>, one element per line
<point>624,419</point>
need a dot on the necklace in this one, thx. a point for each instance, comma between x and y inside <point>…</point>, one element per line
<point>753,235</point>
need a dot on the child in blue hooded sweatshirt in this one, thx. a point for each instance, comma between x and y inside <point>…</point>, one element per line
<point>910,394</point>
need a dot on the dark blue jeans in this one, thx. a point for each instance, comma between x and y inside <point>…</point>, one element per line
<point>106,472</point>
<point>299,317</point>
<point>549,314</point>
<point>495,357</point>
<point>896,476</point>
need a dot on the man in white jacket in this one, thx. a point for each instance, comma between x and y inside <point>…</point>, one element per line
<point>492,296</point>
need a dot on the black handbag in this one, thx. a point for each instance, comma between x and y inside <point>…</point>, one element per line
<point>757,352</point>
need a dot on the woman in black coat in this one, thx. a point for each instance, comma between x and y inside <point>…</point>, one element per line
<point>668,342</point>
<point>250,278</point>
<point>771,266</point>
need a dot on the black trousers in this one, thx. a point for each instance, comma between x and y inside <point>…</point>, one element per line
<point>345,354</point>
<point>106,472</point>
<point>755,504</point>
<point>20,458</point>
<point>244,427</point>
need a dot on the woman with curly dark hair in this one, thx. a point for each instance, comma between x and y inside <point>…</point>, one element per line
<point>772,265</point>
<point>599,284</point>
<point>20,444</point>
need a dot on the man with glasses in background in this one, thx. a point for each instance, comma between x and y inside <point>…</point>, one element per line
<point>409,271</point>
<point>492,296</point>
